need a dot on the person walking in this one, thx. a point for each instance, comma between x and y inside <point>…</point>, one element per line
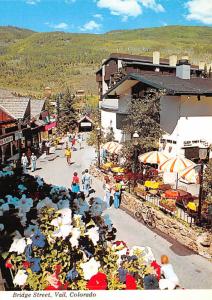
<point>68,155</point>
<point>170,280</point>
<point>86,181</point>
<point>117,194</point>
<point>24,162</point>
<point>75,187</point>
<point>47,144</point>
<point>80,141</point>
<point>107,189</point>
<point>33,159</point>
<point>73,142</point>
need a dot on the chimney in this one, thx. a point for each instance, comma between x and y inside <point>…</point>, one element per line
<point>183,69</point>
<point>172,60</point>
<point>156,58</point>
<point>185,57</point>
<point>201,65</point>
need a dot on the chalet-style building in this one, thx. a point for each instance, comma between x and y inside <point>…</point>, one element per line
<point>186,107</point>
<point>21,124</point>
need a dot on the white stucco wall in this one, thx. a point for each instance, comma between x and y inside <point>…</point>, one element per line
<point>186,118</point>
<point>108,119</point>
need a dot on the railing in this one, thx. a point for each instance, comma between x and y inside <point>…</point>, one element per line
<point>179,213</point>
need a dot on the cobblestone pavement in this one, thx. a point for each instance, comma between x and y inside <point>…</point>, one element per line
<point>193,270</point>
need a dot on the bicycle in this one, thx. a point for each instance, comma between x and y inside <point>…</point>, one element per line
<point>146,216</point>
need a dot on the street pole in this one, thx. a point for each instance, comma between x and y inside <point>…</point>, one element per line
<point>98,145</point>
<point>200,192</point>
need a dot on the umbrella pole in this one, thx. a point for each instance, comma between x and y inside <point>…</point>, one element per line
<point>177,181</point>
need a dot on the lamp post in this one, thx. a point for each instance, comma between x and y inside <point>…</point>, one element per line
<point>135,143</point>
<point>202,155</point>
<point>98,144</point>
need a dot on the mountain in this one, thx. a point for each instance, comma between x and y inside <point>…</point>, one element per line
<point>30,60</point>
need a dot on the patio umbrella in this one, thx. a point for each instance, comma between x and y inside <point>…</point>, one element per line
<point>175,165</point>
<point>153,157</point>
<point>190,174</point>
<point>112,147</point>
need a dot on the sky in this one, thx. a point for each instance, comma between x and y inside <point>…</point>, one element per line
<point>100,16</point>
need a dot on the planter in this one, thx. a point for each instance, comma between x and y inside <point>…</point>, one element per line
<point>167,207</point>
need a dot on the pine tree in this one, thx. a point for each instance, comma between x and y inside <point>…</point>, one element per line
<point>143,117</point>
<point>67,116</point>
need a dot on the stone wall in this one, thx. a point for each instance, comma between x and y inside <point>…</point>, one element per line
<point>191,237</point>
<point>200,242</point>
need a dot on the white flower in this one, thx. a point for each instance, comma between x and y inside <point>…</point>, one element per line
<point>74,240</point>
<point>47,202</point>
<point>63,231</point>
<point>18,245</point>
<point>63,223</point>
<point>93,234</point>
<point>20,278</point>
<point>145,252</point>
<point>39,180</point>
<point>66,215</point>
<point>90,268</point>
<point>1,227</point>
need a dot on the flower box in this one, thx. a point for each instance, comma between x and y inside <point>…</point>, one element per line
<point>168,204</point>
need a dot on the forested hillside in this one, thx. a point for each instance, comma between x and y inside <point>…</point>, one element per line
<point>29,61</point>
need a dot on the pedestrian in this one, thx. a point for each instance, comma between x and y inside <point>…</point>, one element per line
<point>68,155</point>
<point>117,194</point>
<point>107,189</point>
<point>73,142</point>
<point>24,162</point>
<point>86,181</point>
<point>80,141</point>
<point>28,154</point>
<point>170,280</point>
<point>47,144</point>
<point>33,162</point>
<point>75,187</point>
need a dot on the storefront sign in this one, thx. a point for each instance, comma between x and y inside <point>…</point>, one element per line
<point>85,124</point>
<point>6,140</point>
<point>18,135</point>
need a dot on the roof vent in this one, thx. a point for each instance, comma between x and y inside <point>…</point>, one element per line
<point>172,60</point>
<point>183,69</point>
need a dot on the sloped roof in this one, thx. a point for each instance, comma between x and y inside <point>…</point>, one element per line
<point>36,107</point>
<point>14,106</point>
<point>85,118</point>
<point>172,84</point>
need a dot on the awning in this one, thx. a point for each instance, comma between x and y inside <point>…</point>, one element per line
<point>50,126</point>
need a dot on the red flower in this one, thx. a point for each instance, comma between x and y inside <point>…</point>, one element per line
<point>58,270</point>
<point>157,268</point>
<point>8,264</point>
<point>97,282</point>
<point>60,286</point>
<point>130,283</point>
<point>26,264</point>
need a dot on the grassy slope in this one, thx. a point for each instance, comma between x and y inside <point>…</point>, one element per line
<point>30,61</point>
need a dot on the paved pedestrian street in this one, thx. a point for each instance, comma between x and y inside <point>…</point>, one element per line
<point>194,271</point>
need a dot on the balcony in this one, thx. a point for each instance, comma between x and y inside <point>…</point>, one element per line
<point>110,104</point>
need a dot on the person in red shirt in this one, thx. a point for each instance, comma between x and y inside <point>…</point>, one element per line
<point>75,187</point>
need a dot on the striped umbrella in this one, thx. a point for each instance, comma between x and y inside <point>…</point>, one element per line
<point>190,174</point>
<point>153,157</point>
<point>112,147</point>
<point>175,164</point>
